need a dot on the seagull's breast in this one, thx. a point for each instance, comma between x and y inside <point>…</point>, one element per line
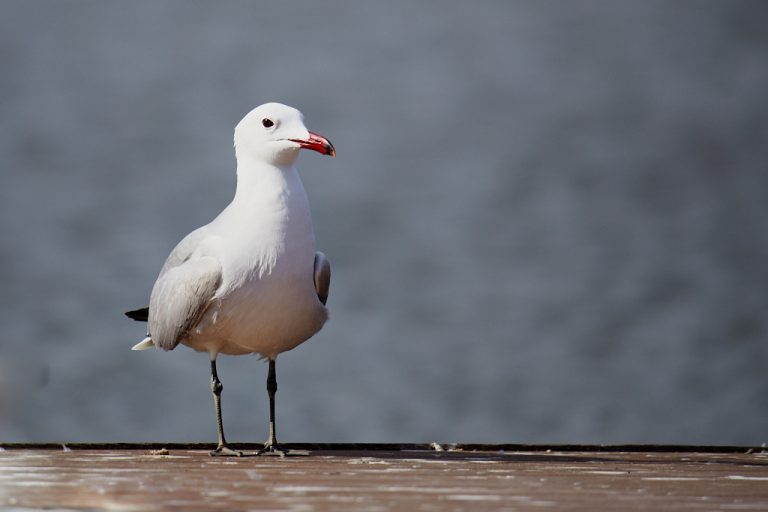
<point>267,302</point>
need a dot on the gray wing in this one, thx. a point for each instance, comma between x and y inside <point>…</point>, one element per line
<point>184,249</point>
<point>322,276</point>
<point>181,253</point>
<point>179,298</point>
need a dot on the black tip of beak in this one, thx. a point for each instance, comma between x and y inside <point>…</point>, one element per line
<point>318,143</point>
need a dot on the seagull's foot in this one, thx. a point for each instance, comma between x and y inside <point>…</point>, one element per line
<point>275,450</point>
<point>272,450</point>
<point>225,451</point>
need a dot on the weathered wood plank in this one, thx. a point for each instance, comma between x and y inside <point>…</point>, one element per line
<point>365,479</point>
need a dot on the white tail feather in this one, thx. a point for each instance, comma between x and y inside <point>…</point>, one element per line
<point>144,344</point>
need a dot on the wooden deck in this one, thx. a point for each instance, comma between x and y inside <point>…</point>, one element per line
<point>383,477</point>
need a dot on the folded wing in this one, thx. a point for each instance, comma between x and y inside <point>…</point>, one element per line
<point>179,299</point>
<point>322,276</point>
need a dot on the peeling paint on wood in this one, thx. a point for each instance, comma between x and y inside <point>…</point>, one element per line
<point>153,478</point>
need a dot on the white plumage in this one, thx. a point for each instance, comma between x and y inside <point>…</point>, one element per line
<point>251,280</point>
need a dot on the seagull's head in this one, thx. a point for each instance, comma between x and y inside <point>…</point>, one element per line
<point>274,133</point>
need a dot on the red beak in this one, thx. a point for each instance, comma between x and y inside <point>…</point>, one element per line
<point>317,143</point>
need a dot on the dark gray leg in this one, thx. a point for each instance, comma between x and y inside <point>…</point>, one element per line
<point>271,447</point>
<point>216,388</point>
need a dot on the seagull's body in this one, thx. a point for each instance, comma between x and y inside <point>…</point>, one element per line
<point>263,247</point>
<point>251,280</point>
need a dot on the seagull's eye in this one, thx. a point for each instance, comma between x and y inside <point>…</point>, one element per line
<point>267,122</point>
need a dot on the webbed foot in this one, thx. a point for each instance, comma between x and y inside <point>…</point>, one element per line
<point>272,450</point>
<point>225,451</point>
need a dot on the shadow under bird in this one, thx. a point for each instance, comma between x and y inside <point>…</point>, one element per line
<point>251,281</point>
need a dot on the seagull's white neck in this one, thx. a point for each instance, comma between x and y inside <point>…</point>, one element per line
<point>270,217</point>
<point>271,197</point>
<point>259,182</point>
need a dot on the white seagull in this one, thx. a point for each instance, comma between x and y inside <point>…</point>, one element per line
<point>249,282</point>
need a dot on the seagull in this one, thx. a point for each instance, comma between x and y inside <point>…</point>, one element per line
<point>250,281</point>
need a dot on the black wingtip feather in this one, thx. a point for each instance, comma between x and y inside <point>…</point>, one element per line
<point>140,315</point>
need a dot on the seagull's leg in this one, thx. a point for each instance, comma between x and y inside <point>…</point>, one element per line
<point>271,447</point>
<point>216,388</point>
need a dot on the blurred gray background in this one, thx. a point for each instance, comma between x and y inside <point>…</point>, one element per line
<point>548,221</point>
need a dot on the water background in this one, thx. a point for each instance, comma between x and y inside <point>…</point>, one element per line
<point>548,221</point>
